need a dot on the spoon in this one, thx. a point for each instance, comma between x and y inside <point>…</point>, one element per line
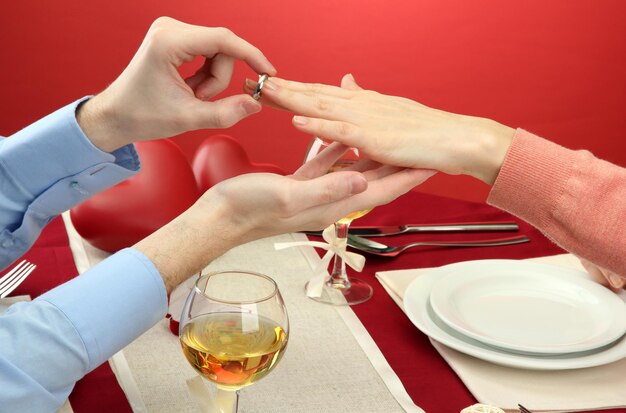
<point>376,248</point>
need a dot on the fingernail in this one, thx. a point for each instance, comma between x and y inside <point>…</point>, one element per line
<point>250,83</point>
<point>350,76</point>
<point>300,120</point>
<point>616,281</point>
<point>251,106</point>
<point>358,184</point>
<point>270,85</point>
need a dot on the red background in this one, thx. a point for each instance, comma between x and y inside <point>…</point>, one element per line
<point>556,68</point>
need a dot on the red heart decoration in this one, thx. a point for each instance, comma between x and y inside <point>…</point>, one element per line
<point>220,157</point>
<point>131,210</point>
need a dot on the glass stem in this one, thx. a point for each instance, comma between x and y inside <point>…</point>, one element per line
<point>339,277</point>
<point>227,400</point>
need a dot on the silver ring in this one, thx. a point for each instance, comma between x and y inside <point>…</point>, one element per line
<point>259,86</point>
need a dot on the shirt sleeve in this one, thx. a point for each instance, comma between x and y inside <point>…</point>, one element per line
<point>574,198</point>
<point>48,344</point>
<point>47,168</point>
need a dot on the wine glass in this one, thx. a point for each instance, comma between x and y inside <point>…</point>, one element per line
<point>341,289</point>
<point>233,331</point>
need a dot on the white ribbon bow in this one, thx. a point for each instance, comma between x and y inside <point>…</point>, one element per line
<point>333,246</point>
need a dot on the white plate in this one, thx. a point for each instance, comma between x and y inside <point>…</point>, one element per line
<point>529,307</point>
<point>417,307</point>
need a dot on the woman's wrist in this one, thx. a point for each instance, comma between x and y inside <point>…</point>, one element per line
<point>492,141</point>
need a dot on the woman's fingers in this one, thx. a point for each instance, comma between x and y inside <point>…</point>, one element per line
<point>389,187</point>
<point>605,277</point>
<point>296,96</point>
<point>330,188</point>
<point>249,87</point>
<point>340,131</point>
<point>349,83</point>
<point>313,100</point>
<point>321,163</point>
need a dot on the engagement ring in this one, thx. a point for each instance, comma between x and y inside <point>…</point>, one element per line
<point>259,86</point>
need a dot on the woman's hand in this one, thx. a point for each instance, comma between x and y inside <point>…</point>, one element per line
<point>150,99</point>
<point>392,130</point>
<point>605,277</point>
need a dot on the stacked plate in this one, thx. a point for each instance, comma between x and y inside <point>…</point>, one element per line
<point>520,314</point>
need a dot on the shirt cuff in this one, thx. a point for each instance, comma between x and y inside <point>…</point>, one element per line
<point>58,135</point>
<point>48,168</point>
<point>113,303</point>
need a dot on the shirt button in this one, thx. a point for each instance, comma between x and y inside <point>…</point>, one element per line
<point>7,243</point>
<point>74,185</point>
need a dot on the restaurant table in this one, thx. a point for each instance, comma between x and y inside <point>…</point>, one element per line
<point>425,376</point>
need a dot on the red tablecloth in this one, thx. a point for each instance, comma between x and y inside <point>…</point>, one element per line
<point>428,379</point>
<point>97,392</point>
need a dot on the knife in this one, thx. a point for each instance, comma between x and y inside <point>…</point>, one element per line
<point>384,230</point>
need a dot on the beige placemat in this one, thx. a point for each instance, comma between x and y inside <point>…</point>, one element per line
<point>599,387</point>
<point>324,368</point>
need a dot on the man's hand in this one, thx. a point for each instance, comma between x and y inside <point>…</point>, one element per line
<point>150,99</point>
<point>255,206</point>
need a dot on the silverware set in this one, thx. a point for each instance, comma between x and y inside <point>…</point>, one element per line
<point>357,234</point>
<point>376,248</point>
<point>386,230</point>
<point>12,279</point>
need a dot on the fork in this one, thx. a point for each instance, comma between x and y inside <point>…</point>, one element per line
<point>522,409</point>
<point>376,248</point>
<point>13,278</point>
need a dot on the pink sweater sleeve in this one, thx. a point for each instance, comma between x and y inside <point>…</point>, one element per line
<point>574,198</point>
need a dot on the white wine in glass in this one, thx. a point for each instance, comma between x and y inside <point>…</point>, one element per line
<point>233,331</point>
<point>341,289</point>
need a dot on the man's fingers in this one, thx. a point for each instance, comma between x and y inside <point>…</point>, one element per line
<point>379,192</point>
<point>386,189</point>
<point>194,80</point>
<point>218,76</point>
<point>223,113</point>
<point>186,41</point>
<point>331,188</point>
<point>204,41</point>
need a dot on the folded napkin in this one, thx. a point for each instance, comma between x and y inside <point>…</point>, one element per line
<point>592,388</point>
<point>210,400</point>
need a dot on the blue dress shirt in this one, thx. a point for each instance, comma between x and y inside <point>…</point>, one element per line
<point>48,344</point>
